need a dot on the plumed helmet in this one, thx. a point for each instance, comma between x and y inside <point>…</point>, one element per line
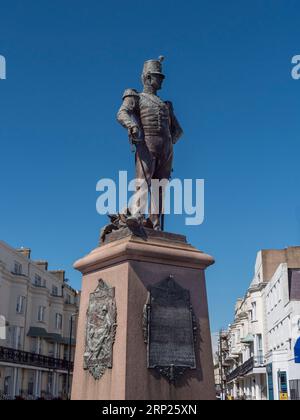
<point>153,67</point>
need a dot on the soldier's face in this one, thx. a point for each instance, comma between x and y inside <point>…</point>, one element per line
<point>157,81</point>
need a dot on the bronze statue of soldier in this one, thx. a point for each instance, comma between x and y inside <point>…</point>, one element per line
<point>153,129</point>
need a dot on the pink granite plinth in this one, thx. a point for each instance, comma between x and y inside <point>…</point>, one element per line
<point>131,264</point>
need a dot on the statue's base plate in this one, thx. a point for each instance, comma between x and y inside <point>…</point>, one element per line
<point>145,233</point>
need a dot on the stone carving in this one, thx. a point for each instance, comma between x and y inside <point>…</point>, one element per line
<point>100,330</point>
<point>169,329</point>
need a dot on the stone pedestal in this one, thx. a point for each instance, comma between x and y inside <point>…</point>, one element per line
<point>131,264</point>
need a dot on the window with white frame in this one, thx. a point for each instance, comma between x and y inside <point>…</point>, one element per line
<point>259,347</point>
<point>41,313</point>
<point>254,311</point>
<point>54,290</point>
<point>38,280</point>
<point>250,315</point>
<point>20,305</point>
<point>17,268</point>
<point>51,350</point>
<point>15,335</point>
<point>33,344</point>
<point>58,321</point>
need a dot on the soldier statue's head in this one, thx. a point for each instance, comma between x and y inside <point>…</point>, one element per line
<point>152,76</point>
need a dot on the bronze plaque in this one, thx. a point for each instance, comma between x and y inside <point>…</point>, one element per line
<point>171,329</point>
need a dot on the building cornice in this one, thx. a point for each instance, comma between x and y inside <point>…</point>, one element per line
<point>257,287</point>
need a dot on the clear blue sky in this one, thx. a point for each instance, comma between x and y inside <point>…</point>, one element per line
<point>228,67</point>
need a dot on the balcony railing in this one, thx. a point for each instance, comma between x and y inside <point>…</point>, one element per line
<point>9,355</point>
<point>250,364</point>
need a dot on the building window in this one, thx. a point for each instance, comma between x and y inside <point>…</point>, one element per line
<point>58,321</point>
<point>15,335</point>
<point>295,390</point>
<point>8,386</point>
<point>31,383</point>
<point>282,379</point>
<point>254,312</point>
<point>20,305</point>
<point>33,345</point>
<point>251,315</point>
<point>37,281</point>
<point>259,349</point>
<point>17,268</point>
<point>51,350</point>
<point>68,299</point>
<point>41,314</point>
<point>50,383</point>
<point>54,290</point>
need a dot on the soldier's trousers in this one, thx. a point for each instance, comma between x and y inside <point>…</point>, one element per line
<point>154,160</point>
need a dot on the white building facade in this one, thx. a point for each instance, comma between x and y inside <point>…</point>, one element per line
<point>37,327</point>
<point>283,329</point>
<point>262,361</point>
<point>246,378</point>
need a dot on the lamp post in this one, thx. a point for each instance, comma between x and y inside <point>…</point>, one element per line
<point>70,356</point>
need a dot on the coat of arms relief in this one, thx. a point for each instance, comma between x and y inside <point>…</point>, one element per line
<point>100,330</point>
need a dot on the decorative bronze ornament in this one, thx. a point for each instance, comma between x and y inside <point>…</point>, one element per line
<point>100,330</point>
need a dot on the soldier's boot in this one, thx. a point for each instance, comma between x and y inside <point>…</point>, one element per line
<point>133,222</point>
<point>155,219</point>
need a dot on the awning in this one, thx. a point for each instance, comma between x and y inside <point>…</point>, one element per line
<point>248,340</point>
<point>297,351</point>
<point>42,333</point>
<point>37,332</point>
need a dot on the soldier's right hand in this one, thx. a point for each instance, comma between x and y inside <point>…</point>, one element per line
<point>134,131</point>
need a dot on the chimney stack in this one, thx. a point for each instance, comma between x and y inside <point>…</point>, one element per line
<point>42,264</point>
<point>26,252</point>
